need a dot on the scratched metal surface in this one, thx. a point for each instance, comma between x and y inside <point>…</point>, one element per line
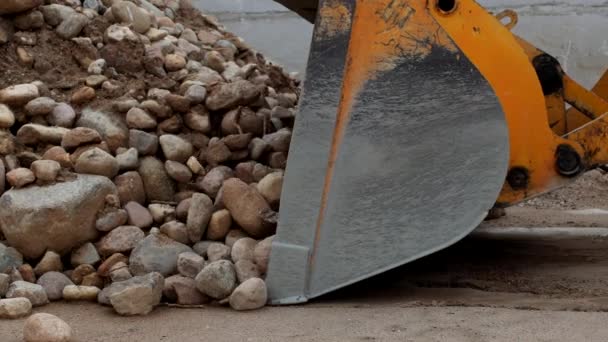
<point>424,157</point>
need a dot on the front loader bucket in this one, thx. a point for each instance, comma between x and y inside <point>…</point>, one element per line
<point>400,148</point>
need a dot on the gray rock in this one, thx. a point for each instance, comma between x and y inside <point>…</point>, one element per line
<point>51,261</point>
<point>218,251</point>
<point>196,94</point>
<point>230,95</point>
<point>202,247</point>
<point>63,115</point>
<point>246,269</point>
<point>7,118</point>
<point>139,119</point>
<point>189,264</point>
<point>176,231</point>
<point>112,219</point>
<point>97,162</point>
<point>97,67</point>
<point>150,7</point>
<point>65,214</point>
<point>9,257</point>
<point>199,214</point>
<point>156,253</point>
<point>178,171</point>
<point>231,71</point>
<point>129,13</point>
<point>53,284</point>
<point>85,254</point>
<point>130,187</point>
<point>96,81</point>
<point>145,143</point>
<point>155,35</point>
<point>17,6</point>
<point>45,170</point>
<point>118,33</point>
<point>279,140</point>
<point>139,216</point>
<point>161,212</point>
<point>175,148</point>
<point>72,25</point>
<point>217,280</point>
<point>120,240</point>
<point>214,179</point>
<point>194,66</point>
<point>246,207</point>
<point>243,249</point>
<point>120,272</point>
<point>233,236</point>
<point>12,308</point>
<point>182,290</point>
<point>32,134</point>
<point>250,295</point>
<point>111,127</point>
<point>135,296</point>
<point>34,292</point>
<point>46,327</point>
<point>54,14</point>
<point>95,5</point>
<point>198,121</point>
<point>157,183</point>
<point>128,160</point>
<point>19,94</point>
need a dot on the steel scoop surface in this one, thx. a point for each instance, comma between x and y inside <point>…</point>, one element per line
<point>400,147</point>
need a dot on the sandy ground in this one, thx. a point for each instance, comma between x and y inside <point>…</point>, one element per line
<point>345,322</point>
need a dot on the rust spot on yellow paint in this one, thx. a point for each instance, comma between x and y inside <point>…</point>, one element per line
<point>335,19</point>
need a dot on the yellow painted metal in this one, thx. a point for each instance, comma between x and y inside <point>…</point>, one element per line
<point>576,118</point>
<point>501,59</point>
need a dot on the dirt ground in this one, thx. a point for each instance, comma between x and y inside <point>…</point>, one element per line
<point>498,284</point>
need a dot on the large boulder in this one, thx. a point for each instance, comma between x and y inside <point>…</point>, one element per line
<point>57,217</point>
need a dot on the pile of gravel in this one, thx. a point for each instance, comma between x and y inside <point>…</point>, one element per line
<point>142,150</point>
